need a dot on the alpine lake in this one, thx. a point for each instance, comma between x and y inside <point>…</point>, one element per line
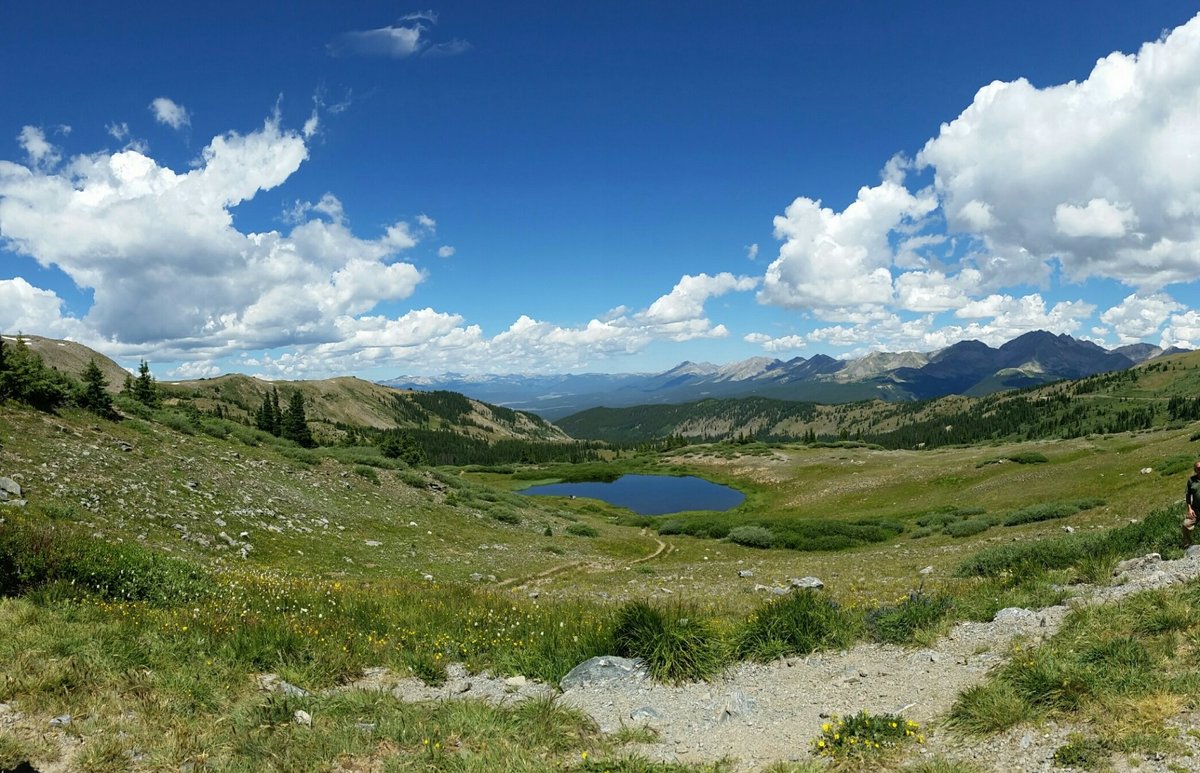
<point>649,494</point>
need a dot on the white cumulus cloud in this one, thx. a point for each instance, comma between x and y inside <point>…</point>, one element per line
<point>167,112</point>
<point>1139,317</point>
<point>831,260</point>
<point>1100,175</point>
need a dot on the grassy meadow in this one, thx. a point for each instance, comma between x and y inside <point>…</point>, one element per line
<point>161,565</point>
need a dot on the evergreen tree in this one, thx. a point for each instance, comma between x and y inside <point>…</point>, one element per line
<point>400,445</point>
<point>295,424</point>
<point>276,414</point>
<point>262,417</point>
<point>25,377</point>
<point>94,395</point>
<point>144,390</point>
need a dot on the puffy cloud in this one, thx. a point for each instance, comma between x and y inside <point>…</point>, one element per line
<point>167,112</point>
<point>686,300</point>
<point>118,131</point>
<point>25,308</point>
<point>1011,317</point>
<point>842,259</point>
<point>446,251</point>
<point>1183,330</point>
<point>168,267</point>
<point>1100,218</point>
<point>926,291</point>
<point>752,251</point>
<point>1139,317</point>
<point>1099,174</point>
<point>41,153</point>
<point>789,343</point>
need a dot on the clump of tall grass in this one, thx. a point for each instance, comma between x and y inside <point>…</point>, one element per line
<point>1050,510</point>
<point>1158,532</point>
<point>38,553</point>
<point>676,642</point>
<point>1102,657</point>
<point>918,616</point>
<point>797,624</point>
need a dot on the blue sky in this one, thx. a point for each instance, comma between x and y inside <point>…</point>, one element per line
<point>315,189</point>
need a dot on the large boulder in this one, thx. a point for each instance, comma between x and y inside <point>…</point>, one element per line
<point>604,669</point>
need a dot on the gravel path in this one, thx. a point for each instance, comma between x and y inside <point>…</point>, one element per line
<point>759,714</point>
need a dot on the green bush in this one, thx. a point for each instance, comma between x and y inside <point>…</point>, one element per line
<point>1028,457</point>
<point>582,530</point>
<point>902,623</point>
<point>504,515</point>
<point>363,471</point>
<point>676,643</point>
<point>1050,510</point>
<point>796,624</point>
<point>752,536</point>
<point>968,527</point>
<point>670,527</point>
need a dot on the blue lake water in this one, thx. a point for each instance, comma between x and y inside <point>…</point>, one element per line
<point>650,494</point>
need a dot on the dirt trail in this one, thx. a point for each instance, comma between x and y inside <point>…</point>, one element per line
<point>758,714</point>
<point>521,582</point>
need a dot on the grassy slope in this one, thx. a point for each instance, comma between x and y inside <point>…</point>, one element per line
<point>309,525</point>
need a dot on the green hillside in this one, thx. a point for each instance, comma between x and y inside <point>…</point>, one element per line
<point>170,567</point>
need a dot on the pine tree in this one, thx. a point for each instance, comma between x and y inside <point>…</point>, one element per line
<point>94,395</point>
<point>144,389</point>
<point>276,414</point>
<point>295,424</point>
<point>25,377</point>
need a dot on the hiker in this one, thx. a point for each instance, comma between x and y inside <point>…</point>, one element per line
<point>1193,503</point>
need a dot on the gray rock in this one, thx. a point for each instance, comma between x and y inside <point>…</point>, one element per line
<point>366,728</point>
<point>736,705</point>
<point>1015,615</point>
<point>807,582</point>
<point>645,714</point>
<point>1136,563</point>
<point>745,573</point>
<point>10,488</point>
<point>1192,552</point>
<point>476,577</point>
<point>292,691</point>
<point>61,721</point>
<point>604,669</point>
<point>302,717</point>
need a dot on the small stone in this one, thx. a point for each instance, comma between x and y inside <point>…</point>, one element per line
<point>302,717</point>
<point>926,571</point>
<point>745,573</point>
<point>61,721</point>
<point>1069,529</point>
<point>516,681</point>
<point>1192,552</point>
<point>365,727</point>
<point>476,577</point>
<point>534,594</point>
<point>427,577</point>
<point>807,582</point>
<point>372,543</point>
<point>645,714</point>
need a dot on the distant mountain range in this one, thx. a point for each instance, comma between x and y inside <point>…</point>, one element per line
<point>967,368</point>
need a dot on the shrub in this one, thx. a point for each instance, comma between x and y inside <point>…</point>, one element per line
<point>752,536</point>
<point>865,736</point>
<point>582,530</point>
<point>902,623</point>
<point>369,473</point>
<point>504,515</point>
<point>1050,510</point>
<point>1028,457</point>
<point>968,527</point>
<point>796,624</point>
<point>670,527</point>
<point>676,643</point>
